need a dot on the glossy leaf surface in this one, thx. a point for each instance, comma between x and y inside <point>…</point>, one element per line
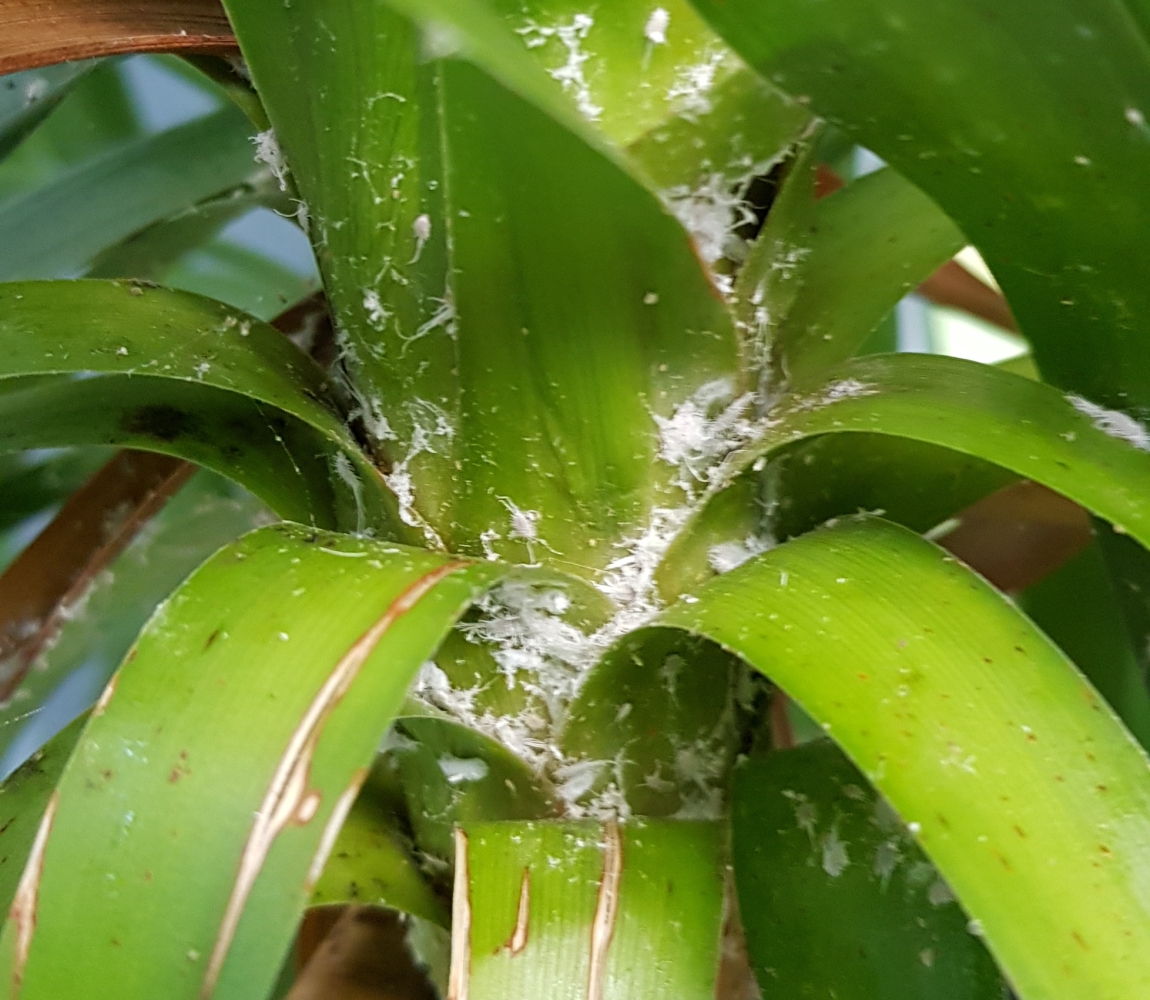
<point>1027,428</point>
<point>509,355</point>
<point>1028,128</point>
<point>825,273</point>
<point>835,896</point>
<point>291,649</point>
<point>999,755</point>
<point>187,377</point>
<point>571,910</point>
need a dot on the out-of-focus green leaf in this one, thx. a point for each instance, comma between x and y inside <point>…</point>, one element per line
<point>289,652</point>
<point>207,513</point>
<point>55,230</point>
<point>26,98</point>
<point>835,896</point>
<point>30,483</point>
<point>94,118</point>
<point>1076,606</point>
<point>571,910</point>
<point>486,313</point>
<point>841,264</point>
<point>1028,127</point>
<point>188,377</point>
<point>150,253</point>
<point>998,753</point>
<point>242,278</point>
<point>23,798</point>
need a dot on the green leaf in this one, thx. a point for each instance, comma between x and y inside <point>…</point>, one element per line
<point>578,909</point>
<point>23,798</point>
<point>624,67</point>
<point>653,729</point>
<point>1078,608</point>
<point>93,119</point>
<point>289,651</point>
<point>824,274</point>
<point>1027,127</point>
<point>1002,759</point>
<point>207,513</point>
<point>452,775</point>
<point>1092,456</point>
<point>836,898</point>
<point>27,98</point>
<point>372,862</point>
<point>183,376</point>
<point>55,230</point>
<point>510,337</point>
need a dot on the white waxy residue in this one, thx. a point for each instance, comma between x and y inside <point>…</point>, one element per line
<point>458,770</point>
<point>269,153</point>
<point>1113,422</point>
<point>571,75</point>
<point>690,94</point>
<point>655,30</point>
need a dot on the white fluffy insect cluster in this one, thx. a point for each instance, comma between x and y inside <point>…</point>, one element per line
<point>1113,422</point>
<point>268,152</point>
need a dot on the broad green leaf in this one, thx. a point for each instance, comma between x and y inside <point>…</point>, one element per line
<point>187,377</point>
<point>1095,457</point>
<point>165,869</point>
<point>835,896</point>
<point>24,796</point>
<point>1002,759</point>
<point>26,98</point>
<point>654,730</point>
<point>55,230</point>
<point>509,355</point>
<point>579,909</point>
<point>1078,608</point>
<point>841,264</point>
<point>1027,126</point>
<point>629,67</point>
<point>912,483</point>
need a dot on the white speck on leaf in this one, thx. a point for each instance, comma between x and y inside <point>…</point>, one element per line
<point>458,770</point>
<point>421,230</point>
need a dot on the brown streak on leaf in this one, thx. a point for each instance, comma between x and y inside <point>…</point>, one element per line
<point>334,824</point>
<point>518,940</point>
<point>606,909</point>
<point>42,32</point>
<point>288,790</point>
<point>56,570</point>
<point>105,698</point>
<point>23,911</point>
<point>459,978</point>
